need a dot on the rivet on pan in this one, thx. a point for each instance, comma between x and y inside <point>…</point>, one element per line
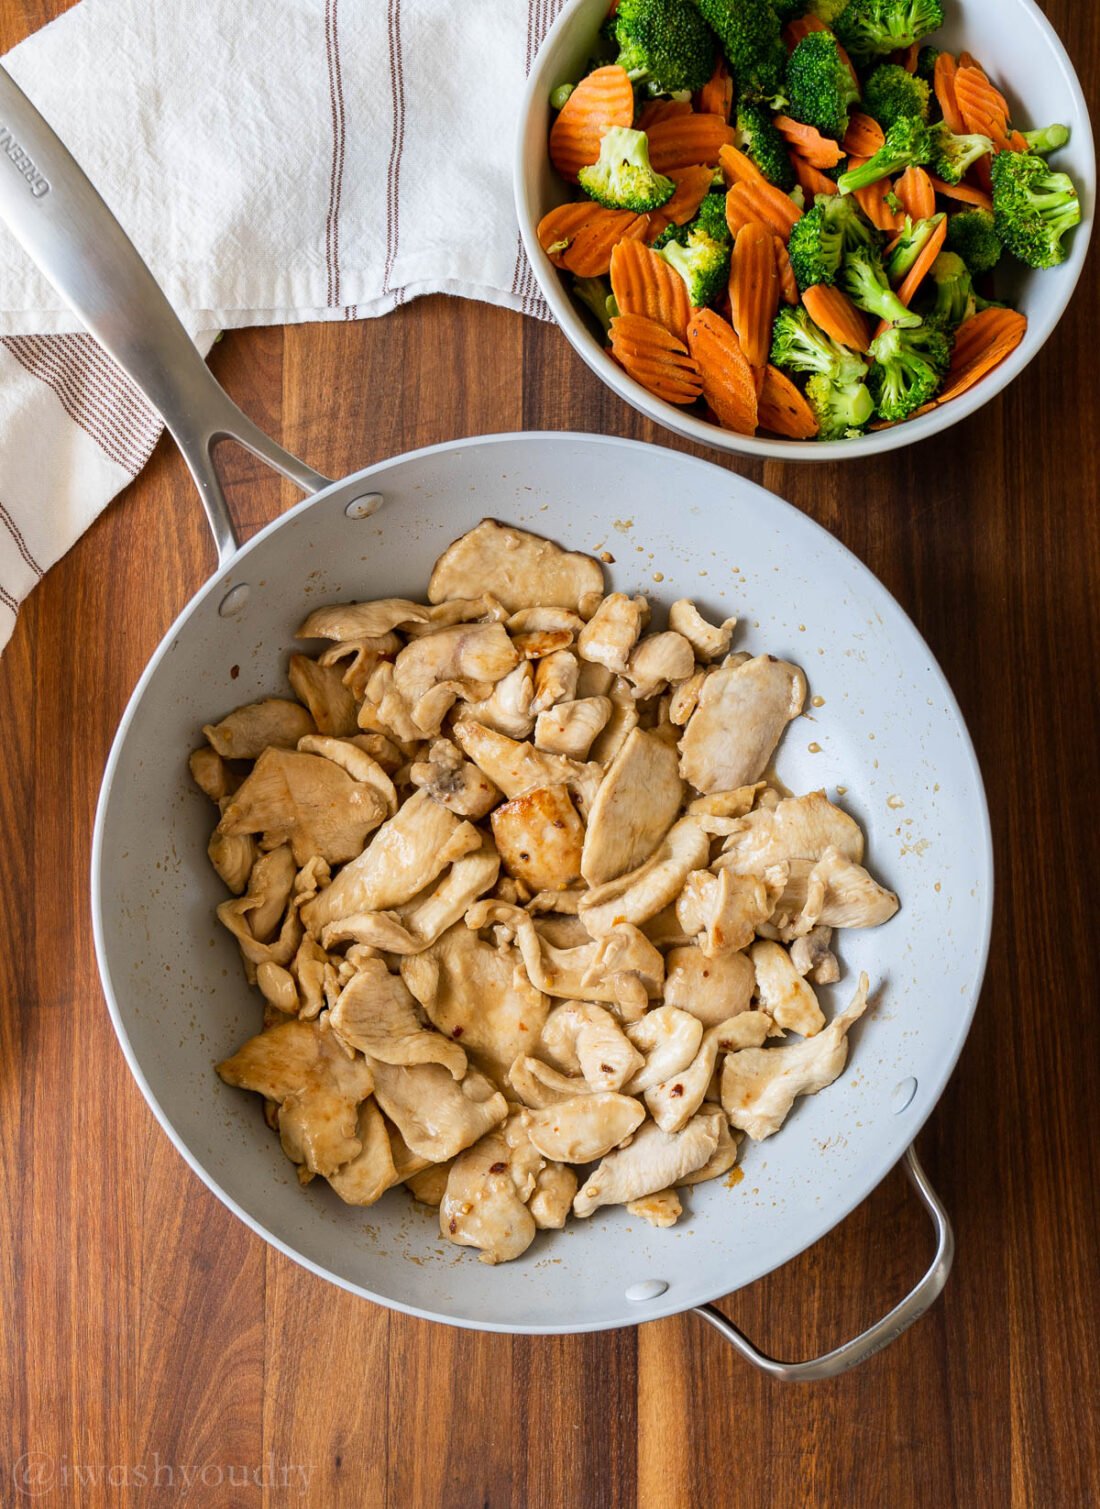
<point>362,508</point>
<point>649,1288</point>
<point>903,1095</point>
<point>235,600</point>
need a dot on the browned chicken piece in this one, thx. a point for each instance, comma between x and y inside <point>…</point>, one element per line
<point>454,782</point>
<point>723,911</point>
<point>578,1035</point>
<point>730,804</point>
<point>842,894</point>
<point>430,1185</point>
<point>521,570</point>
<point>232,857</point>
<point>318,1087</point>
<point>485,1203</point>
<point>685,698</point>
<point>539,837</point>
<point>555,680</point>
<point>211,774</point>
<point>485,608</point>
<point>568,728</point>
<point>537,643</point>
<point>310,967</point>
<point>724,1156</point>
<point>376,1014</point>
<point>797,827</point>
<point>612,632</point>
<point>382,750</point>
<point>814,959</point>
<point>415,925</point>
<point>361,620</point>
<point>669,1038</point>
<point>662,1209</point>
<point>539,1086</point>
<point>673,1101</point>
<point>760,1085</point>
<point>555,1186</point>
<point>331,704</point>
<point>247,732</point>
<point>518,767</point>
<point>254,917</point>
<point>708,641</point>
<point>635,806</point>
<point>658,660</point>
<point>782,991</point>
<point>475,995</point>
<point>586,1127</point>
<point>711,989</point>
<point>359,764</point>
<point>436,1115</point>
<point>407,1164</point>
<point>641,893</point>
<point>742,712</point>
<point>370,1173</point>
<point>653,1161</point>
<point>544,621</point>
<point>278,987</point>
<point>306,801</point>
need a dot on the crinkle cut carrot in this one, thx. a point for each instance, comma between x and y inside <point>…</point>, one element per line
<point>796,30</point>
<point>738,167</point>
<point>864,135</point>
<point>819,151</point>
<point>984,110</point>
<point>602,100</point>
<point>589,238</point>
<point>727,379</point>
<point>943,81</point>
<point>716,95</point>
<point>834,312</point>
<point>662,110</point>
<point>754,291</point>
<point>746,202</point>
<point>558,228</point>
<point>643,283</point>
<point>965,193</point>
<point>981,343</point>
<point>655,358</point>
<point>788,284</point>
<point>782,409</point>
<point>810,179</point>
<point>906,57</point>
<point>692,187</point>
<point>684,141</point>
<point>872,201</point>
<point>918,197</point>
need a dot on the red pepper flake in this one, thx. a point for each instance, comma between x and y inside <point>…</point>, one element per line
<point>497,1168</point>
<point>452,1225</point>
<point>606,1069</point>
<point>457,1031</point>
<point>676,1090</point>
<point>234,672</point>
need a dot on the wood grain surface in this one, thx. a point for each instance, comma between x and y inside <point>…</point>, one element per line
<point>143,1328</point>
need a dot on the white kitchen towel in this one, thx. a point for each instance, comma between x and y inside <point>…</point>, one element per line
<point>274,161</point>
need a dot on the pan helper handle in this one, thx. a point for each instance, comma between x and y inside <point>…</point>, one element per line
<point>884,1331</point>
<point>51,207</point>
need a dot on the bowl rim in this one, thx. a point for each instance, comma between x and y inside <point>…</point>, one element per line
<point>877,442</point>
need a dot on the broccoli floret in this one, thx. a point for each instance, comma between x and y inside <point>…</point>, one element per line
<point>954,290</point>
<point>842,410</point>
<point>820,88</point>
<point>1046,139</point>
<point>892,93</point>
<point>876,26</point>
<point>816,246</point>
<point>764,146</point>
<point>622,178</point>
<point>973,235</point>
<point>907,143</point>
<point>801,346</point>
<point>665,44</point>
<point>789,10</point>
<point>597,297</point>
<point>912,240</point>
<point>711,217</point>
<point>952,155</point>
<point>749,33</point>
<point>827,10</point>
<point>926,63</point>
<point>702,262</point>
<point>1033,208</point>
<point>845,215</point>
<point>909,367</point>
<point>863,279</point>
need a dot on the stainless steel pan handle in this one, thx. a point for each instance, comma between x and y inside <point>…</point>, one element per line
<point>50,206</point>
<point>884,1331</point>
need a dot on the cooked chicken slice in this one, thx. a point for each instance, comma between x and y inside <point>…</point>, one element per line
<point>406,1163</point>
<point>322,689</point>
<point>670,1040</point>
<point>663,929</point>
<point>310,967</point>
<point>318,1088</point>
<point>782,991</point>
<point>353,758</point>
<point>435,1114</point>
<point>711,989</point>
<point>454,782</point>
<point>484,1205</point>
<point>268,893</point>
<point>361,620</point>
<point>405,855</point>
<point>484,608</point>
<point>517,768</point>
<point>685,698</point>
<point>232,858</point>
<point>431,673</point>
<point>642,893</point>
<point>538,643</point>
<point>278,987</point>
<point>247,732</point>
<point>568,728</point>
<point>797,827</point>
<point>594,680</point>
<point>383,709</point>
<point>612,632</point>
<point>842,894</point>
<point>584,1128</point>
<point>270,884</point>
<point>814,959</point>
<point>742,712</point>
<point>722,1159</point>
<point>658,660</point>
<point>539,1086</point>
<point>580,1036</point>
<point>413,926</point>
<point>635,806</point>
<point>430,1185</point>
<point>376,1014</point>
<point>623,720</point>
<point>674,1100</point>
<point>760,1085</point>
<point>662,1209</point>
<point>508,709</point>
<point>370,1173</point>
<point>555,1186</point>
<point>308,801</point>
<point>555,680</point>
<point>475,994</point>
<point>544,621</point>
<point>708,641</point>
<point>358,659</point>
<point>653,1161</point>
<point>383,751</point>
<point>539,837</point>
<point>211,774</point>
<point>731,804</point>
<point>522,570</point>
<point>724,911</point>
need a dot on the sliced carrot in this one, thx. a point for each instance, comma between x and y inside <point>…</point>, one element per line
<point>968,60</point>
<point>795,31</point>
<point>918,197</point>
<point>872,201</point>
<point>738,167</point>
<point>783,410</point>
<point>788,284</point>
<point>943,81</point>
<point>834,311</point>
<point>662,110</point>
<point>643,283</point>
<point>864,136</point>
<point>819,151</point>
<point>980,174</point>
<point>746,202</point>
<point>684,141</point>
<point>558,228</point>
<point>588,238</point>
<point>754,291</point>
<point>965,193</point>
<point>906,57</point>
<point>692,186</point>
<point>983,108</point>
<point>982,350</point>
<point>716,95</point>
<point>662,364</point>
<point>810,179</point>
<point>726,376</point>
<point>602,100</point>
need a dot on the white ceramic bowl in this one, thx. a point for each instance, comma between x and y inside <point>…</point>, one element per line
<point>1021,51</point>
